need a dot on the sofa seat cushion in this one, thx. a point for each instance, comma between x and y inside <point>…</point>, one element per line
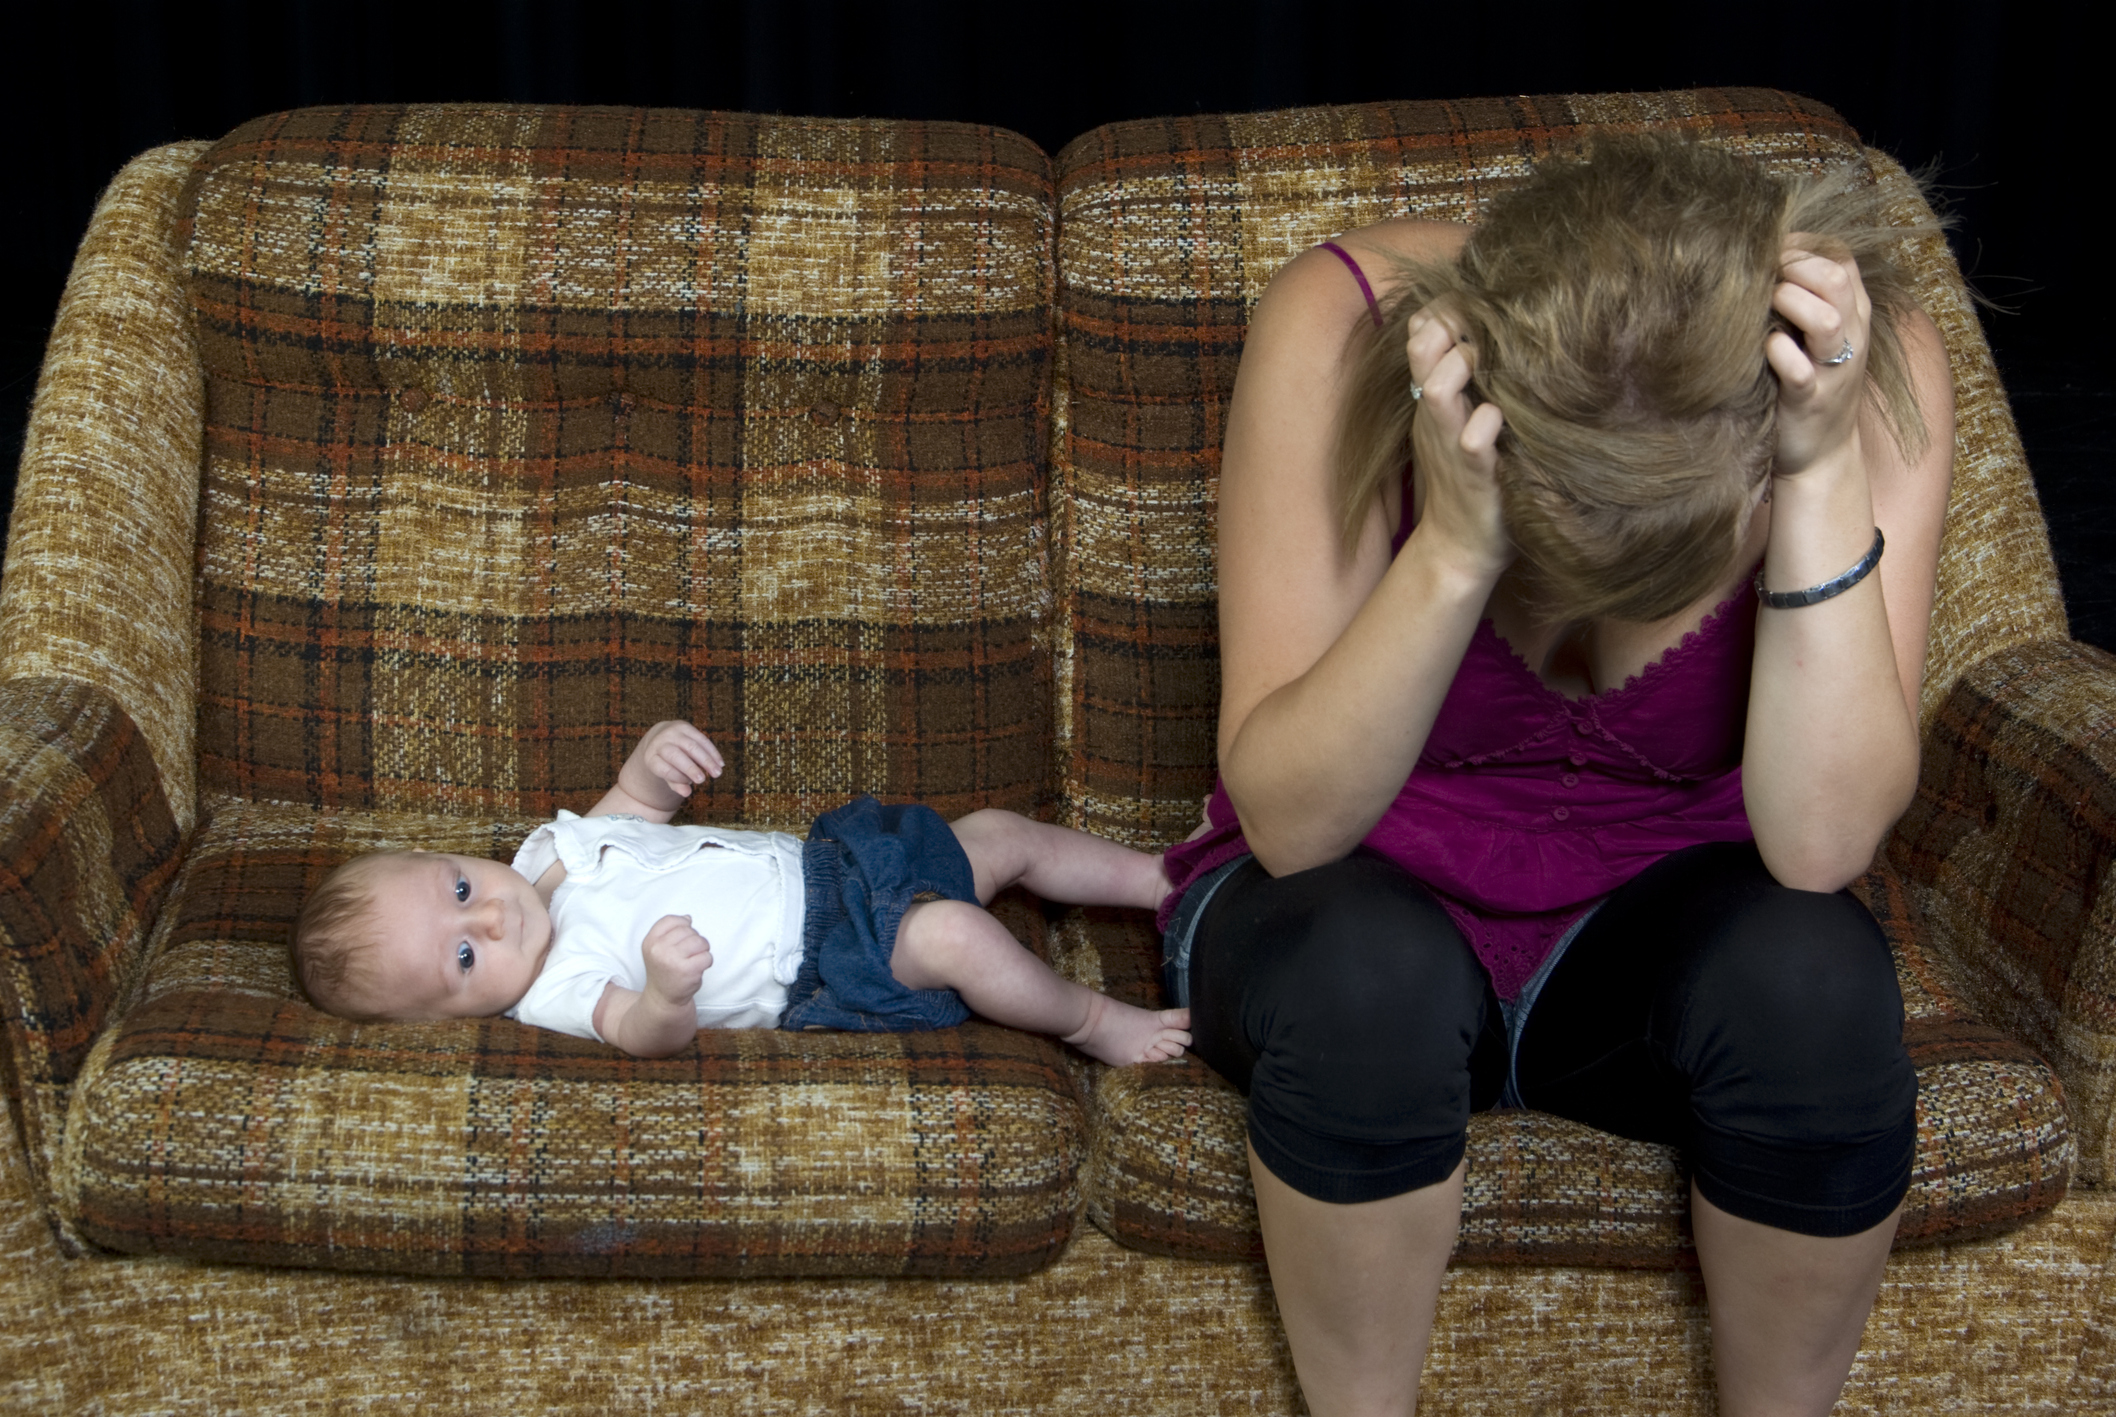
<point>223,1118</point>
<point>1169,1171</point>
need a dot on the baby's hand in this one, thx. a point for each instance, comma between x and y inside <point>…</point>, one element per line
<point>671,761</point>
<point>677,958</point>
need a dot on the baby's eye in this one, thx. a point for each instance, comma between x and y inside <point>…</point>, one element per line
<point>462,890</point>
<point>466,956</point>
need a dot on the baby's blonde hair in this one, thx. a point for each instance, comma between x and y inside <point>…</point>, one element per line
<point>334,936</point>
<point>1618,308</point>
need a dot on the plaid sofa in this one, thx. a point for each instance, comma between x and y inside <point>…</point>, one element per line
<point>393,468</point>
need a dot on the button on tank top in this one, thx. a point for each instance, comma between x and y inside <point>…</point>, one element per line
<point>1527,806</point>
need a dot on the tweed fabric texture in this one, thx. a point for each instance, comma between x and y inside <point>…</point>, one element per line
<point>2010,846</point>
<point>2096,1386</point>
<point>110,458</point>
<point>1169,1172</point>
<point>88,851</point>
<point>223,1118</point>
<point>1993,1326</point>
<point>529,427</point>
<point>1996,1326</point>
<point>1169,230</point>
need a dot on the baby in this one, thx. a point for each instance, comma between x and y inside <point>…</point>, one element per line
<point>620,927</point>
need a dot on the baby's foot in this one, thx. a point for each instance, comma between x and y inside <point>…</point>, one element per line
<point>1119,1033</point>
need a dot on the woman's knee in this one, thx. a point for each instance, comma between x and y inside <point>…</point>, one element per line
<point>1361,1014</point>
<point>1792,1024</point>
<point>1803,1103</point>
<point>1361,966</point>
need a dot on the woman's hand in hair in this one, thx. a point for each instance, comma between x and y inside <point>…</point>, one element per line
<point>1454,450</point>
<point>1821,296</point>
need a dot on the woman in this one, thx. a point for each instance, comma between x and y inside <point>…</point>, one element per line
<point>1525,791</point>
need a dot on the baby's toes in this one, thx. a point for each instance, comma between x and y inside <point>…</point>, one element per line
<point>1168,1046</point>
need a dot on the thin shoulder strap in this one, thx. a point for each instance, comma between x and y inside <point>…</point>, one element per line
<point>1373,307</point>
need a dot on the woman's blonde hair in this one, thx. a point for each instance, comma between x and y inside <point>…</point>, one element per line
<point>1619,307</point>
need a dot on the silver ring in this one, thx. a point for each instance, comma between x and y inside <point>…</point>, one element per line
<point>1417,392</point>
<point>1843,356</point>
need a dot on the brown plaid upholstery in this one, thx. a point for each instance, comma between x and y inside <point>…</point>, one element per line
<point>104,540</point>
<point>527,428</point>
<point>88,849</point>
<point>2010,844</point>
<point>523,430</point>
<point>2003,1327</point>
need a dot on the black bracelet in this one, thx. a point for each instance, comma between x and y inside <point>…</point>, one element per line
<point>1815,594</point>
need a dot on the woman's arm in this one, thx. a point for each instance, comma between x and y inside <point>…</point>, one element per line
<point>1334,665</point>
<point>1831,757</point>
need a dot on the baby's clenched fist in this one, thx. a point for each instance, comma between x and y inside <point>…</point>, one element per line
<point>677,958</point>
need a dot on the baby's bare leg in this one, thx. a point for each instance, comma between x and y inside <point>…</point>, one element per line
<point>951,944</point>
<point>1056,863</point>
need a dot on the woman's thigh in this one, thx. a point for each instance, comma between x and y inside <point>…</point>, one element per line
<point>1349,1009</point>
<point>1757,1026</point>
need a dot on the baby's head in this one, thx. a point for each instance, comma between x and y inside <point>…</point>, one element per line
<point>415,935</point>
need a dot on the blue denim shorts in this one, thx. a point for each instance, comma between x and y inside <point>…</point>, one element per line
<point>863,866</point>
<point>1182,930</point>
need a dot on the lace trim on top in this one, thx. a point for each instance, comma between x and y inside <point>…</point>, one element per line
<point>1654,668</point>
<point>1589,709</point>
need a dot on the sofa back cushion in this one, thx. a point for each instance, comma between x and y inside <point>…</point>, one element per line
<point>529,427</point>
<point>1170,229</point>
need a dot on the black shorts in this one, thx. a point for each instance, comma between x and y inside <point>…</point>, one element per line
<point>1704,1005</point>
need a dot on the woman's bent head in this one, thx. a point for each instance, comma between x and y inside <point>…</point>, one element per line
<point>1618,309</point>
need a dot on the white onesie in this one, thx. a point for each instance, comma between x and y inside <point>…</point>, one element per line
<point>742,891</point>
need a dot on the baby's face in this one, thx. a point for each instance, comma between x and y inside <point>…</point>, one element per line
<point>458,937</point>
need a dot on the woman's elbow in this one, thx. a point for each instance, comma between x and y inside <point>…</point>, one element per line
<point>1811,857</point>
<point>1284,858</point>
<point>1810,866</point>
<point>1290,848</point>
<point>1297,827</point>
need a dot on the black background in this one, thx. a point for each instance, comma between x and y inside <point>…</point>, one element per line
<point>1992,100</point>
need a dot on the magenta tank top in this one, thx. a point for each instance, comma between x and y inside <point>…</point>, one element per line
<point>1528,807</point>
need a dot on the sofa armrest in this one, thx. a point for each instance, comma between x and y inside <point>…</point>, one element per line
<point>88,851</point>
<point>99,643</point>
<point>102,547</point>
<point>2010,846</point>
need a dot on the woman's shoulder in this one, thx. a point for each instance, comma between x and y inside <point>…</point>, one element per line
<point>1334,280</point>
<point>1321,292</point>
<point>1403,239</point>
